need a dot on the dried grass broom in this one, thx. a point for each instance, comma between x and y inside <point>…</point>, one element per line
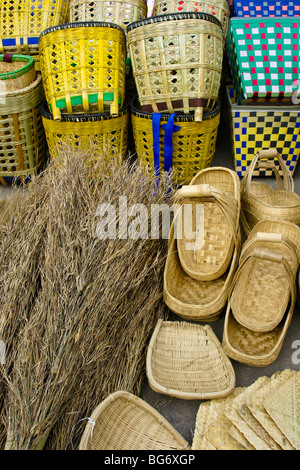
<point>95,310</point>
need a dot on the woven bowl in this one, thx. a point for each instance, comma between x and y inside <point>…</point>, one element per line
<point>16,72</point>
<point>126,422</point>
<point>186,360</point>
<point>177,62</point>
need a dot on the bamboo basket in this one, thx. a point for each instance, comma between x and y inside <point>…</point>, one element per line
<point>117,11</point>
<point>260,201</point>
<point>126,422</point>
<point>269,260</point>
<point>16,72</point>
<point>22,21</point>
<point>83,68</point>
<point>177,62</point>
<point>264,266</point>
<point>100,132</point>
<point>215,194</point>
<point>22,140</point>
<point>193,143</point>
<point>218,8</point>
<point>186,360</point>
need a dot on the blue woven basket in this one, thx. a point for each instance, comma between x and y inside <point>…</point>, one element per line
<point>264,8</point>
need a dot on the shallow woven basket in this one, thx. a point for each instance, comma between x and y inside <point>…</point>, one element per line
<point>194,143</point>
<point>22,139</point>
<point>126,422</point>
<point>260,201</point>
<point>100,132</point>
<point>269,261</point>
<point>83,68</point>
<point>186,360</point>
<point>22,21</point>
<point>215,193</point>
<point>117,11</point>
<point>177,62</point>
<point>218,8</point>
<point>16,72</point>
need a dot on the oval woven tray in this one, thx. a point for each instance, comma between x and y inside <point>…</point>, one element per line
<point>186,360</point>
<point>126,422</point>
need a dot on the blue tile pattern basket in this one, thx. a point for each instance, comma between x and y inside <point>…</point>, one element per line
<point>263,8</point>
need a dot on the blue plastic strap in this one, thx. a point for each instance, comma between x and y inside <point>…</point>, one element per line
<point>155,133</point>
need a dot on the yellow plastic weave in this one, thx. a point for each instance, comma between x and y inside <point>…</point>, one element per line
<point>83,69</point>
<point>101,136</point>
<point>24,19</point>
<point>194,145</point>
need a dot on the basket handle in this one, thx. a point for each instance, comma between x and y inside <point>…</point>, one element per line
<point>286,182</point>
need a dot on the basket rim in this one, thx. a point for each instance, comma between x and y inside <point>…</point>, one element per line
<point>81,24</point>
<point>84,117</point>
<point>265,19</point>
<point>176,17</point>
<point>179,117</point>
<point>21,71</point>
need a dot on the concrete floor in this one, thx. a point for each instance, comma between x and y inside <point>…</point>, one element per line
<point>182,413</point>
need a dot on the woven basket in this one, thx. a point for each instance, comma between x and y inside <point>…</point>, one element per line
<point>16,72</point>
<point>218,8</point>
<point>260,201</point>
<point>83,68</point>
<point>126,422</point>
<point>264,58</point>
<point>264,266</point>
<point>177,62</point>
<point>192,147</point>
<point>22,21</point>
<point>258,127</point>
<point>116,11</point>
<point>101,133</point>
<point>22,140</point>
<point>269,260</point>
<point>215,194</point>
<point>186,361</point>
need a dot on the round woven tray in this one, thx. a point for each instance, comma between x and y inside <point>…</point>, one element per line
<point>177,62</point>
<point>186,360</point>
<point>126,422</point>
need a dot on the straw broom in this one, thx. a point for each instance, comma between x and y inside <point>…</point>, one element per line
<point>95,310</point>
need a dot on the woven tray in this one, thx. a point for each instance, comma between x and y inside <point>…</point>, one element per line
<point>260,201</point>
<point>192,299</point>
<point>83,68</point>
<point>269,263</point>
<point>218,8</point>
<point>101,133</point>
<point>177,62</point>
<point>215,194</point>
<point>193,143</point>
<point>22,138</point>
<point>186,361</point>
<point>126,422</point>
<point>117,11</point>
<point>16,72</point>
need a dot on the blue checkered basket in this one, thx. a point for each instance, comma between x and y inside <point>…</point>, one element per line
<point>264,8</point>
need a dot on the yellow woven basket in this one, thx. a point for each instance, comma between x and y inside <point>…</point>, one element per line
<point>83,68</point>
<point>177,62</point>
<point>22,139</point>
<point>99,132</point>
<point>193,143</point>
<point>22,21</point>
<point>218,8</point>
<point>117,11</point>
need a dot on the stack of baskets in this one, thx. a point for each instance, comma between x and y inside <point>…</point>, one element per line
<point>22,142</point>
<point>83,71</point>
<point>177,57</point>
<point>263,53</point>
